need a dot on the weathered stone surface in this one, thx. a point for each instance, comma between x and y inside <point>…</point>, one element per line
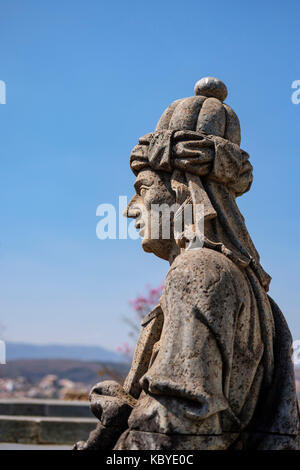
<point>101,438</point>
<point>212,368</point>
<point>233,129</point>
<point>212,118</point>
<point>150,334</point>
<point>138,440</point>
<point>111,404</point>
<point>185,115</point>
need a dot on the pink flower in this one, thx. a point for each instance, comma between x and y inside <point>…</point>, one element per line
<point>142,305</point>
<point>126,350</point>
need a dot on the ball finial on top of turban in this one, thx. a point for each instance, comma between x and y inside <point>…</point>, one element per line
<point>211,87</point>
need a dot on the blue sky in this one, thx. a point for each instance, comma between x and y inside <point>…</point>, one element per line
<point>84,80</point>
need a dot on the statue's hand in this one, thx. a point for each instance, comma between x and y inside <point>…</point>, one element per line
<point>110,403</point>
<point>80,445</point>
<point>101,438</point>
<point>112,406</point>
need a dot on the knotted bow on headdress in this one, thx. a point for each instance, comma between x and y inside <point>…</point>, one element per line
<point>195,153</point>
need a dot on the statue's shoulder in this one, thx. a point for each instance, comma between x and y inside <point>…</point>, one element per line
<point>196,259</point>
<point>204,268</point>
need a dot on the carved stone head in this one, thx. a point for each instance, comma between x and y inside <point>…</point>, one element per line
<point>192,158</point>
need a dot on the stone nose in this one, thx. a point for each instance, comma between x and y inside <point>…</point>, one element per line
<point>132,211</point>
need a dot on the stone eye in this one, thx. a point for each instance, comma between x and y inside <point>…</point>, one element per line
<point>143,190</point>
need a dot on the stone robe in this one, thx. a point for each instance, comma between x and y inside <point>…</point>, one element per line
<point>212,368</point>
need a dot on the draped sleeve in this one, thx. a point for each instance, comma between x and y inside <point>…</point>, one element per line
<point>202,300</point>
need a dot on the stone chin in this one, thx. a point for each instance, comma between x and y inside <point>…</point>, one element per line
<point>160,248</point>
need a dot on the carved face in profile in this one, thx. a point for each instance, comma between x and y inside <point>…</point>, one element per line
<point>153,189</point>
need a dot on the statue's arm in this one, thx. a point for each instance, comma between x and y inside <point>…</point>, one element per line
<point>200,305</point>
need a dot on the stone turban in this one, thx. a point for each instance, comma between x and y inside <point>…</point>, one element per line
<point>200,135</point>
<point>204,113</point>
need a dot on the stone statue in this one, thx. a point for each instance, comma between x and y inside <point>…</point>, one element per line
<point>212,367</point>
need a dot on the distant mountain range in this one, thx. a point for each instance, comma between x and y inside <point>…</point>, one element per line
<point>16,351</point>
<point>87,372</point>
